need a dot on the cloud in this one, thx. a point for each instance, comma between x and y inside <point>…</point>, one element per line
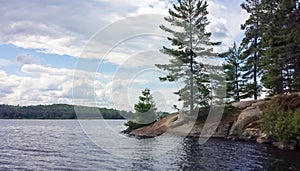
<point>25,59</point>
<point>7,84</point>
<point>226,18</point>
<point>43,85</point>
<point>47,85</point>
<point>58,27</point>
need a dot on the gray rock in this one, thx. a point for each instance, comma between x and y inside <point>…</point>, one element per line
<point>258,103</point>
<point>265,139</point>
<point>251,134</point>
<point>247,116</point>
<point>242,105</point>
<point>291,145</point>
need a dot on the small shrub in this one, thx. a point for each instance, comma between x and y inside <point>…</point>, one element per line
<point>284,129</point>
<point>281,122</point>
<point>296,122</point>
<point>133,125</point>
<point>269,118</point>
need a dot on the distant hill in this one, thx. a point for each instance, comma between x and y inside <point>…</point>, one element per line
<point>59,111</point>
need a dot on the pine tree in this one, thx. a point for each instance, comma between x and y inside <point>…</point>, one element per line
<point>145,108</point>
<point>189,44</point>
<point>233,70</point>
<point>273,77</point>
<point>294,44</point>
<point>252,55</point>
<point>281,63</point>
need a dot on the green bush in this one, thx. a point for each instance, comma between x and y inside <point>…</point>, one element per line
<point>296,122</point>
<point>285,125</point>
<point>133,125</point>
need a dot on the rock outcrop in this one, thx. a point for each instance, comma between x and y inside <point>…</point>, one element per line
<point>241,123</point>
<point>247,116</point>
<point>156,129</point>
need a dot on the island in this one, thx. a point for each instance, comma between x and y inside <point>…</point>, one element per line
<point>274,120</point>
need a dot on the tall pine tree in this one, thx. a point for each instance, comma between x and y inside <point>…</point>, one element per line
<point>281,45</point>
<point>252,55</point>
<point>295,36</point>
<point>190,42</point>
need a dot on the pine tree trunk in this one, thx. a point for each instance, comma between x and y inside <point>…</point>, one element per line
<point>255,76</point>
<point>192,83</point>
<point>255,67</point>
<point>237,85</point>
<point>191,63</point>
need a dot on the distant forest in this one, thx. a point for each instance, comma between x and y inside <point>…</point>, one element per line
<point>56,111</point>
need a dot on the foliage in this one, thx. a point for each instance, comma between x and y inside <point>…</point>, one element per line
<point>145,108</point>
<point>145,111</point>
<point>280,120</point>
<point>133,125</point>
<point>271,42</point>
<point>188,46</point>
<point>55,111</point>
<point>233,69</point>
<point>251,56</point>
<point>282,49</point>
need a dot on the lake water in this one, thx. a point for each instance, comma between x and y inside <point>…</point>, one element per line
<point>64,145</point>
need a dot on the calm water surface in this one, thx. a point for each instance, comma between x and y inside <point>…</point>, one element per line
<point>63,145</point>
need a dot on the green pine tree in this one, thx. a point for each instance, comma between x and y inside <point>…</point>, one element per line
<point>145,108</point>
<point>233,69</point>
<point>145,112</point>
<point>295,38</point>
<point>189,44</point>
<point>253,27</point>
<point>281,44</point>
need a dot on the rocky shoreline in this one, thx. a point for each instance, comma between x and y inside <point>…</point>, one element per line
<point>242,124</point>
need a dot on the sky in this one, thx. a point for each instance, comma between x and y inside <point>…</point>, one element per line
<point>94,52</point>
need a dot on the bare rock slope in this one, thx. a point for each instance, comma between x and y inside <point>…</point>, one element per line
<point>232,125</point>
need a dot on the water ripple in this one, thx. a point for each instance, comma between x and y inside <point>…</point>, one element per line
<point>62,145</point>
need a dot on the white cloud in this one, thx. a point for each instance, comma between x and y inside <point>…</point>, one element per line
<point>47,85</point>
<point>226,18</point>
<point>59,27</point>
<point>43,85</point>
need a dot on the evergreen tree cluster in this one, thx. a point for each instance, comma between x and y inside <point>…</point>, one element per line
<point>281,45</point>
<point>272,45</point>
<point>269,54</point>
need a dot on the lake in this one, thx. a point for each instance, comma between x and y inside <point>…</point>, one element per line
<point>65,145</point>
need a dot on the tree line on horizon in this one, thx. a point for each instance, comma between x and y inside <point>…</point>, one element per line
<point>56,111</point>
